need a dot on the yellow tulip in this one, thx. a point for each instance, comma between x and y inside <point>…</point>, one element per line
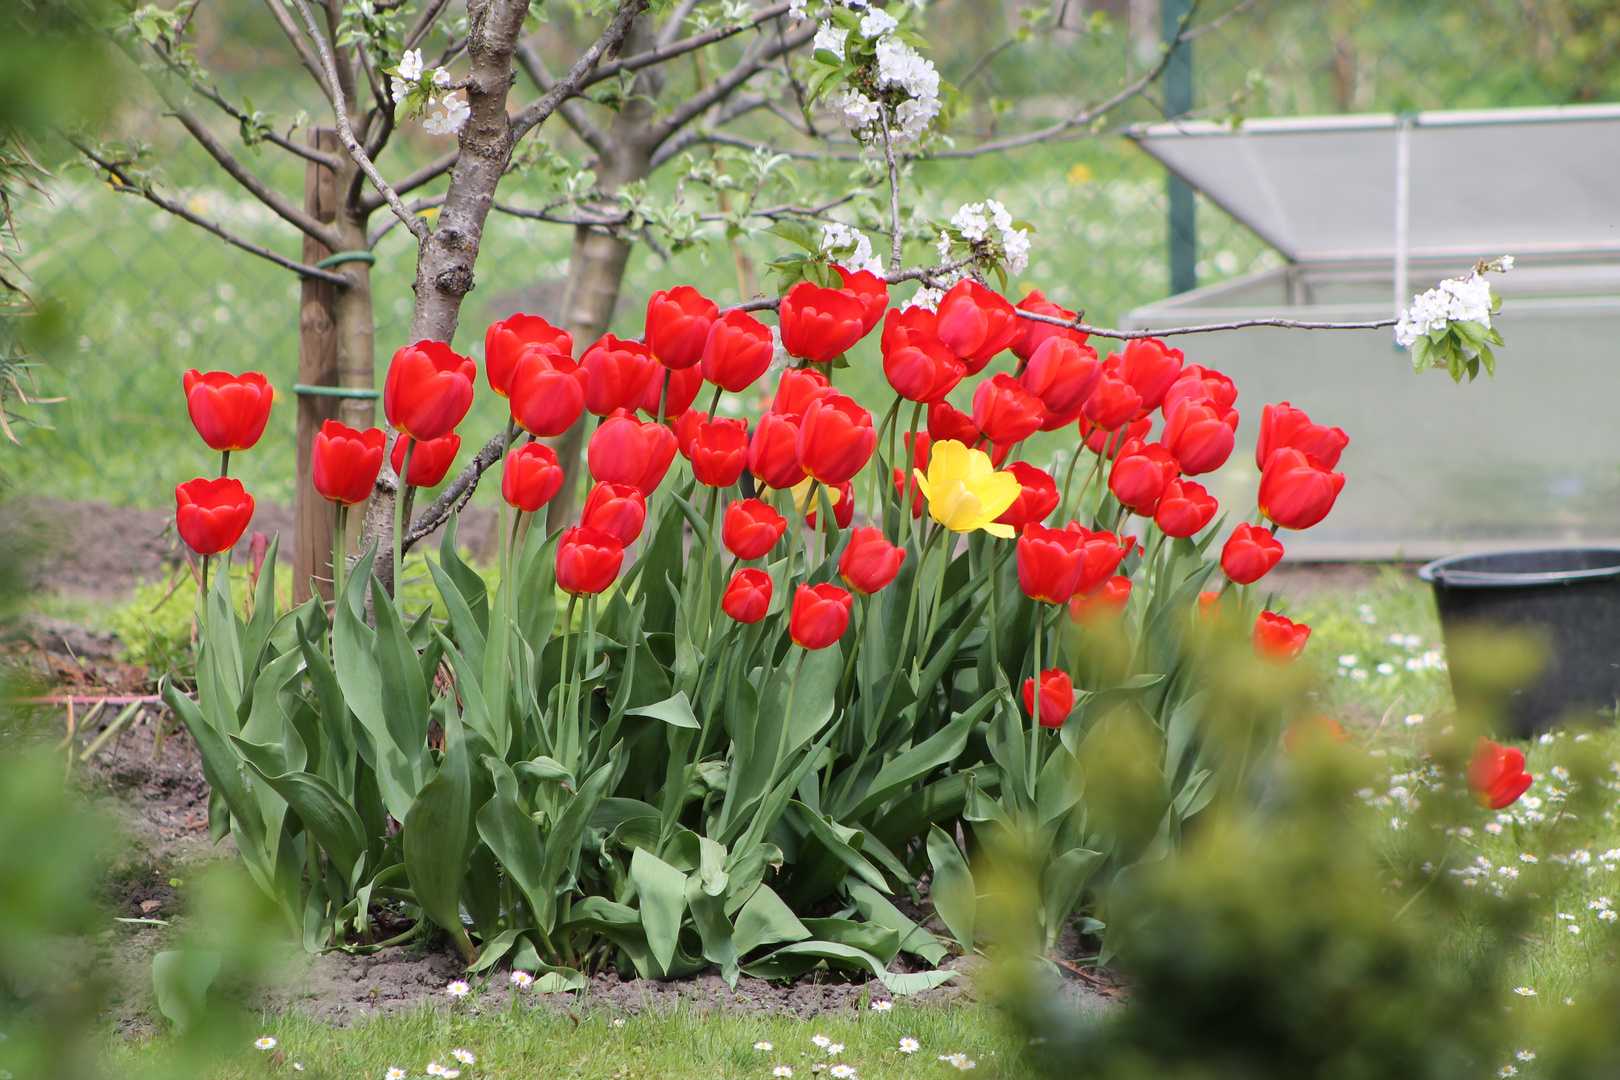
<point>964,491</point>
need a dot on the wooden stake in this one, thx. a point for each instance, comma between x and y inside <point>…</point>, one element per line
<point>317,366</point>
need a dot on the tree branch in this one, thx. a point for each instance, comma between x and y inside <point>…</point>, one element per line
<point>418,227</point>
<point>680,48</point>
<point>124,183</point>
<point>424,23</point>
<point>410,182</point>
<point>538,112</point>
<point>1203,328</point>
<point>535,68</point>
<point>300,46</point>
<point>292,146</point>
<point>754,60</point>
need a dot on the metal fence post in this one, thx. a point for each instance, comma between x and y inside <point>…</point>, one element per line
<point>317,366</point>
<point>1182,220</point>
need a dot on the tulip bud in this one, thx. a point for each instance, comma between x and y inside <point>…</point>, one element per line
<point>820,615</point>
<point>869,561</point>
<point>678,324</point>
<point>718,452</point>
<point>1296,490</point>
<point>344,463</point>
<point>947,422</point>
<point>1199,384</point>
<point>917,364</point>
<point>748,597</point>
<point>1062,374</point>
<point>1184,509</point>
<point>1103,606</point>
<point>588,560</point>
<point>738,352</point>
<point>547,391</point>
<point>623,450</point>
<point>228,411</point>
<point>870,290</point>
<point>211,515</point>
<point>751,528</point>
<point>1150,367</point>
<point>976,323</point>
<point>617,374</point>
<point>673,391</point>
<point>797,389</point>
<point>1141,474</point>
<point>842,498</point>
<point>1249,554</point>
<point>819,324</point>
<point>1032,334</point>
<point>430,460</point>
<point>1104,553</point>
<point>530,477</point>
<point>1113,403</point>
<point>1057,697</point>
<point>1278,641</point>
<point>507,340</point>
<point>428,390</point>
<point>619,510</point>
<point>1005,412</point>
<point>1049,562</point>
<point>1037,496</point>
<point>1283,427</point>
<point>1496,775</point>
<point>836,439</point>
<point>773,452</point>
<point>1200,435</point>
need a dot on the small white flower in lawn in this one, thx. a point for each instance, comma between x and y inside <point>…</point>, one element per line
<point>297,1067</point>
<point>618,1021</point>
<point>835,1048</point>
<point>1367,615</point>
<point>1386,668</point>
<point>818,1067</point>
<point>1560,772</point>
<point>458,988</point>
<point>1507,1070</point>
<point>1525,856</point>
<point>782,1070</point>
<point>763,1045</point>
<point>522,980</point>
<point>268,1042</point>
<point>435,1069</point>
<point>963,1063</point>
<point>1573,929</point>
<point>1465,832</point>
<point>1414,720</point>
<point>1569,1001</point>
<point>882,1006</point>
<point>1608,915</point>
<point>821,1040</point>
<point>1494,828</point>
<point>450,1074</point>
<point>842,1072</point>
<point>908,1045</point>
<point>463,1056</point>
<point>1565,915</point>
<point>1348,660</point>
<point>1547,738</point>
<point>395,1073</point>
<point>1524,991</point>
<point>1526,1055</point>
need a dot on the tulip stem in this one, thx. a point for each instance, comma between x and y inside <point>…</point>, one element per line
<point>204,604</point>
<point>400,494</point>
<point>340,528</point>
<point>714,402</point>
<point>939,587</point>
<point>663,394</point>
<point>224,464</point>
<point>1035,699</point>
<point>565,677</point>
<point>708,549</point>
<point>995,657</point>
<point>910,472</point>
<point>507,436</point>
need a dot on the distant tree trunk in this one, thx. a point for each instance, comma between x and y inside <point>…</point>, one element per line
<point>313,516</point>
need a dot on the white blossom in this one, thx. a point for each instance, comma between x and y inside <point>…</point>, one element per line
<point>971,222</point>
<point>854,108</point>
<point>877,22</point>
<point>927,298</point>
<point>410,65</point>
<point>780,359</point>
<point>831,38</point>
<point>882,1006</point>
<point>796,9</point>
<point>909,1045</point>
<point>839,235</point>
<point>446,117</point>
<point>1453,300</point>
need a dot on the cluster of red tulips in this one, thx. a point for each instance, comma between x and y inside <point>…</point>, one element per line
<point>230,413</point>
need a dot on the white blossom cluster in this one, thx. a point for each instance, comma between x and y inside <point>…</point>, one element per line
<point>975,221</point>
<point>839,235</point>
<point>1466,299</point>
<point>899,66</point>
<point>446,114</point>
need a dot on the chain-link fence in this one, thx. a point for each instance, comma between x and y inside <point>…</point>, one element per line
<point>150,295</point>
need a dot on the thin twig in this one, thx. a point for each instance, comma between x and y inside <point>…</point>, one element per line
<point>300,46</point>
<point>1203,328</point>
<point>114,170</point>
<point>896,240</point>
<point>541,110</point>
<point>678,48</point>
<point>340,110</point>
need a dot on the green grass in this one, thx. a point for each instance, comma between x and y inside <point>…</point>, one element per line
<point>561,1045</point>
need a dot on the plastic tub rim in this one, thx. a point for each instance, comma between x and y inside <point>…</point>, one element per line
<point>1435,573</point>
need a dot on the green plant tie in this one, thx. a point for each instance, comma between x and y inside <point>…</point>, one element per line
<point>337,391</point>
<point>346,257</point>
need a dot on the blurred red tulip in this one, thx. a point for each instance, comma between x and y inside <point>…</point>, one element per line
<point>683,390</point>
<point>751,528</point>
<point>428,390</point>
<point>820,324</point>
<point>1278,641</point>
<point>547,391</point>
<point>678,324</point>
<point>1496,775</point>
<point>620,510</point>
<point>1301,732</point>
<point>430,460</point>
<point>1103,606</point>
<point>1296,490</point>
<point>738,351</point>
<point>588,560</point>
<point>1184,509</point>
<point>211,515</point>
<point>1250,553</point>
<point>345,462</point>
<point>1103,553</point>
<point>505,342</point>
<point>686,426</point>
<point>530,477</point>
<point>228,411</point>
<point>820,615</point>
<point>619,372</point>
<point>1057,697</point>
<point>1037,496</point>
<point>748,597</point>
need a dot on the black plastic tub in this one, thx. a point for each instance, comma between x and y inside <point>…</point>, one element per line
<point>1569,598</point>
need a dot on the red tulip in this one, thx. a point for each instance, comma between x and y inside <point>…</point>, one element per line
<point>211,515</point>
<point>1200,435</point>
<point>1278,641</point>
<point>619,451</point>
<point>1184,508</point>
<point>1296,489</point>
<point>428,390</point>
<point>1113,403</point>
<point>620,510</point>
<point>751,528</point>
<point>1315,727</point>
<point>345,462</point>
<point>1037,497</point>
<point>797,389</point>
<point>916,363</point>
<point>228,411</point>
<point>1056,421</point>
<point>1283,426</point>
<point>661,441</point>
<point>738,351</point>
<point>588,560</point>
<point>901,476</point>
<point>1062,374</point>
<point>547,391</point>
<point>948,422</point>
<point>719,450</point>
<point>1005,412</point>
<point>1049,562</point>
<point>1107,443</point>
<point>836,439</point>
<point>505,342</point>
<point>618,374</point>
<point>683,390</point>
<point>773,452</point>
<point>1103,606</point>
<point>820,324</point>
<point>870,562</point>
<point>1141,474</point>
<point>530,477</point>
<point>870,290</point>
<point>678,324</point>
<point>1033,334</point>
<point>1103,553</point>
<point>842,498</point>
<point>1209,606</point>
<point>686,427</point>
<point>1250,553</point>
<point>748,597</point>
<point>1150,368</point>
<point>430,460</point>
<point>820,615</point>
<point>1199,384</point>
<point>976,323</point>
<point>1057,697</point>
<point>1496,775</point>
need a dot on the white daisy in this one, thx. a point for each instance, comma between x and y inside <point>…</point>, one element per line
<point>618,1021</point>
<point>435,1069</point>
<point>458,988</point>
<point>522,980</point>
<point>782,1070</point>
<point>842,1072</point>
<point>1526,1055</point>
<point>1524,991</point>
<point>268,1042</point>
<point>908,1045</point>
<point>395,1073</point>
<point>1507,1070</point>
<point>763,1045</point>
<point>463,1056</point>
<point>882,1006</point>
<point>835,1048</point>
<point>821,1040</point>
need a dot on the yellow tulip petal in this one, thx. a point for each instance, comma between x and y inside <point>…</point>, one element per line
<point>922,483</point>
<point>1004,531</point>
<point>996,493</point>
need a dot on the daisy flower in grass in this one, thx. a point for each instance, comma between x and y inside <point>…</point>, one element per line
<point>463,1056</point>
<point>395,1073</point>
<point>821,1040</point>
<point>836,1048</point>
<point>882,1006</point>
<point>618,1021</point>
<point>1524,991</point>
<point>522,980</point>
<point>782,1070</point>
<point>268,1042</point>
<point>763,1045</point>
<point>908,1045</point>
<point>842,1072</point>
<point>458,988</point>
